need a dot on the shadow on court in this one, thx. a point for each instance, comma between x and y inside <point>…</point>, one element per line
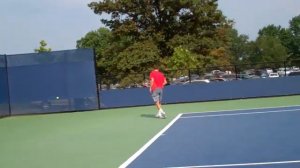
<point>148,116</point>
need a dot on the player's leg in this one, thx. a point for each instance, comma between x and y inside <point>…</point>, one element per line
<point>155,97</point>
<point>159,105</point>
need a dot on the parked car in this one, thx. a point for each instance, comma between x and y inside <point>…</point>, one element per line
<point>197,81</point>
<point>180,80</point>
<point>273,75</point>
<point>194,76</point>
<point>217,80</point>
<point>269,70</point>
<point>284,71</point>
<point>295,68</point>
<point>229,77</point>
<point>296,73</point>
<point>243,76</point>
<point>264,75</point>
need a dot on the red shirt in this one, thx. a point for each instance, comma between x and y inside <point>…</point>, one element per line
<point>158,79</point>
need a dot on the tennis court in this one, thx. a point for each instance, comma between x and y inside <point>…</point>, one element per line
<point>263,137</point>
<point>107,138</point>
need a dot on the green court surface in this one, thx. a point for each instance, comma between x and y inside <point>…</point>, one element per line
<point>97,139</point>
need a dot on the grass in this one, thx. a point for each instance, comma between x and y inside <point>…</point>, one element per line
<point>103,138</point>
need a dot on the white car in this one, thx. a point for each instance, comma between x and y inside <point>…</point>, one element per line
<point>197,81</point>
<point>269,70</point>
<point>295,68</point>
<point>273,75</point>
<point>283,71</point>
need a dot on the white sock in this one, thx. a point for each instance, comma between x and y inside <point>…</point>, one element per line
<point>161,111</point>
<point>158,114</point>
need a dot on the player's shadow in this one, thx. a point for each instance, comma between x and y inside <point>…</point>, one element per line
<point>148,115</point>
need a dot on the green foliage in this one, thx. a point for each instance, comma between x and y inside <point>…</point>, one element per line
<point>136,60</point>
<point>239,47</point>
<point>181,34</point>
<point>138,57</point>
<point>275,43</point>
<point>99,40</point>
<point>161,21</point>
<point>270,50</point>
<point>42,47</point>
<point>182,59</point>
<point>271,30</point>
<point>284,35</point>
<point>295,44</point>
<point>295,26</point>
<point>148,32</point>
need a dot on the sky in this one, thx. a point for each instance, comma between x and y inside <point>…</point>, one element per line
<point>252,15</point>
<point>24,23</point>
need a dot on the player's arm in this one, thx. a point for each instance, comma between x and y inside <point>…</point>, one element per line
<point>165,81</point>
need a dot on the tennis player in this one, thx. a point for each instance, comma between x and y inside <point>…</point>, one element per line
<point>157,83</point>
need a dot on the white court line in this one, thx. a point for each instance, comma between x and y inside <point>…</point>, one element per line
<point>241,164</point>
<point>246,109</point>
<point>140,151</point>
<point>237,114</point>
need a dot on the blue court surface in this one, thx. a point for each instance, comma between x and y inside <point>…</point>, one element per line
<point>255,138</point>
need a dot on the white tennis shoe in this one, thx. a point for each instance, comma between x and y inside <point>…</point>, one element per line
<point>162,113</point>
<point>158,115</point>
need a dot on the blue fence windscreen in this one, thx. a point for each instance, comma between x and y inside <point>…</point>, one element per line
<point>4,98</point>
<point>52,82</point>
<point>237,89</point>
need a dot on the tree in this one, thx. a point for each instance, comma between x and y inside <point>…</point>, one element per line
<point>270,30</point>
<point>239,47</point>
<point>166,24</point>
<point>42,47</point>
<point>182,59</point>
<point>99,40</point>
<point>134,61</point>
<point>284,35</point>
<point>295,44</point>
<point>270,49</point>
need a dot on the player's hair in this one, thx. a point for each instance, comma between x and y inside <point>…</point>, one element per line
<point>156,66</point>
